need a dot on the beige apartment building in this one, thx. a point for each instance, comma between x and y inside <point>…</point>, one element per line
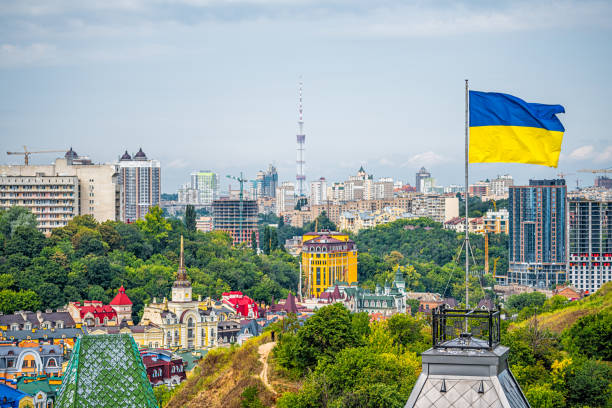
<point>47,189</point>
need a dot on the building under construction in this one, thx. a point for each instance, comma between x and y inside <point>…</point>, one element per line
<point>590,243</point>
<point>236,217</point>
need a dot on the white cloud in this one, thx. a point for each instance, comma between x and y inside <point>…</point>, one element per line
<point>582,153</point>
<point>424,159</point>
<point>177,164</point>
<point>384,161</point>
<point>12,55</point>
<point>604,155</point>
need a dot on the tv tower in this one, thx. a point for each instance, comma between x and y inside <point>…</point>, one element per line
<point>301,139</point>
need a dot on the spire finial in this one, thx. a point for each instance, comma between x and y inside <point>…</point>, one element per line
<point>182,261</point>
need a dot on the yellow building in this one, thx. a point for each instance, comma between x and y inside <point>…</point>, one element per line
<point>327,258</point>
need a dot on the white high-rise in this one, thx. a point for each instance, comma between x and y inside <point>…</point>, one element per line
<point>207,184</point>
<point>285,198</point>
<point>139,181</point>
<point>318,191</point>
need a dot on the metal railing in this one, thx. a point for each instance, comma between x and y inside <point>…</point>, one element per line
<point>448,328</point>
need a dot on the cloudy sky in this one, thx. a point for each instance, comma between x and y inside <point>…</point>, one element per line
<point>212,84</point>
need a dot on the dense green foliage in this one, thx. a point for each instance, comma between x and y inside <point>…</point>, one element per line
<point>91,260</point>
<point>567,369</point>
<point>190,218</point>
<point>426,254</point>
<point>347,365</point>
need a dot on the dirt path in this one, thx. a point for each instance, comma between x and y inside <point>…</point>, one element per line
<point>263,351</point>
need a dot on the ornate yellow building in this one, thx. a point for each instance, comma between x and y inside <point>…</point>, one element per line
<point>327,258</point>
<point>184,322</point>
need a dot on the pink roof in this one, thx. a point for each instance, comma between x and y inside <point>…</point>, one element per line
<point>121,299</point>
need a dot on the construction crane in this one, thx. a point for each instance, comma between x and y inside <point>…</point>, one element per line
<point>486,252</point>
<point>595,171</point>
<point>26,153</point>
<point>240,180</point>
<point>495,265</point>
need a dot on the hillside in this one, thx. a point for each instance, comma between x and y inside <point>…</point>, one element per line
<point>559,320</point>
<point>226,378</point>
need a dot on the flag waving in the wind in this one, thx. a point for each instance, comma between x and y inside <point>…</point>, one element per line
<point>506,129</point>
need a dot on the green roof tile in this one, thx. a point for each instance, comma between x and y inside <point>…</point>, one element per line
<point>106,371</point>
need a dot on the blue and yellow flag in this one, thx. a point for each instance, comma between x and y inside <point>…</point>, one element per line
<point>506,129</point>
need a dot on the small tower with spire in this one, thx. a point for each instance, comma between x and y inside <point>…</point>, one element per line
<point>181,289</point>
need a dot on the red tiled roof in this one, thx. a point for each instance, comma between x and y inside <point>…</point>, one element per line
<point>121,299</point>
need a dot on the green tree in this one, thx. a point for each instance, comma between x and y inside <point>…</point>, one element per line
<point>51,295</point>
<point>523,300</point>
<point>589,384</point>
<point>190,218</point>
<point>266,241</point>
<point>323,335</point>
<point>250,398</point>
<point>155,226</point>
<point>11,301</point>
<point>406,331</point>
<point>542,396</point>
<point>254,242</point>
<point>591,336</point>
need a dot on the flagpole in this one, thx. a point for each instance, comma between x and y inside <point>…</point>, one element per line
<point>467,225</point>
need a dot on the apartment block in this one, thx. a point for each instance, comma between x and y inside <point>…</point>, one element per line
<point>497,222</point>
<point>206,183</point>
<point>589,261</point>
<point>98,190</point>
<point>53,199</point>
<point>318,191</point>
<point>285,198</point>
<point>537,232</point>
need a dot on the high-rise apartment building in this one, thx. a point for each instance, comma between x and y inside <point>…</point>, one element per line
<point>537,245</point>
<point>97,193</point>
<point>421,175</point>
<point>318,191</point>
<point>53,199</point>
<point>140,185</point>
<point>383,189</point>
<point>590,243</point>
<point>499,187</point>
<point>438,207</point>
<point>335,193</point>
<point>238,218</point>
<point>285,198</point>
<point>207,185</point>
<point>266,182</point>
<point>328,258</point>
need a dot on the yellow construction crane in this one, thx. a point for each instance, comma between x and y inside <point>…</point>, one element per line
<point>495,265</point>
<point>26,153</point>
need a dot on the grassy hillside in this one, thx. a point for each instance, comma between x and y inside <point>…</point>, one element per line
<point>559,320</point>
<point>222,377</point>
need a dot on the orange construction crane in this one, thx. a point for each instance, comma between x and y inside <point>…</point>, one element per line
<point>26,154</point>
<point>595,171</point>
<point>495,265</point>
<point>486,253</point>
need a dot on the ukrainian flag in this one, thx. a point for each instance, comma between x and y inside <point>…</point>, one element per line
<point>506,129</point>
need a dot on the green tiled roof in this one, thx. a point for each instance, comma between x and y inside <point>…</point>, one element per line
<point>106,371</point>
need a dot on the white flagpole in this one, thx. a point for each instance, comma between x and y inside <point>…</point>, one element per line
<point>467,225</point>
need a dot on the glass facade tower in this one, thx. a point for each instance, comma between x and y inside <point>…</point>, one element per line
<point>537,232</point>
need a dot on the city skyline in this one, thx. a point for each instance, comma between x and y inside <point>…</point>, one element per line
<point>212,84</point>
